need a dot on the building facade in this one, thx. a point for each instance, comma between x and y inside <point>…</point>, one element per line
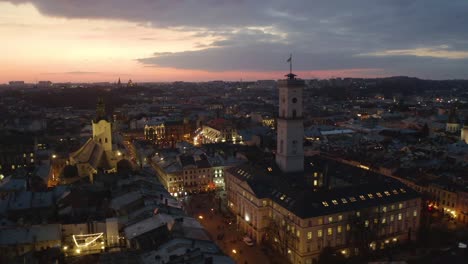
<point>300,209</point>
<point>183,174</point>
<point>385,216</point>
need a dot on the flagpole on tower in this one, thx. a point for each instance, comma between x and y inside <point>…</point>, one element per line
<point>290,63</point>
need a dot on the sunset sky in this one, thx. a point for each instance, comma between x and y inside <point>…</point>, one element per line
<point>199,40</point>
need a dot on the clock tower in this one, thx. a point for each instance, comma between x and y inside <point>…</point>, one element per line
<point>290,151</point>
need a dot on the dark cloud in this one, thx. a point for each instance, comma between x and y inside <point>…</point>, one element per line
<point>323,34</point>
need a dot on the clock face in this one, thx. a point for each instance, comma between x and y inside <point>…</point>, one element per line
<point>294,100</point>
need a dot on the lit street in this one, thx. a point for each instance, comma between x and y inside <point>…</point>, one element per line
<point>225,235</point>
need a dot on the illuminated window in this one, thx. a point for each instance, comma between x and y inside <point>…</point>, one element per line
<point>339,229</point>
<point>330,231</point>
<point>340,217</point>
<point>399,216</point>
<point>31,154</point>
<point>334,202</point>
<point>370,195</point>
<point>362,197</point>
<point>319,233</point>
<point>400,205</point>
<point>315,174</point>
<point>343,200</point>
<point>283,197</point>
<point>392,217</point>
<point>379,195</point>
<point>392,207</point>
<point>415,213</point>
<point>330,219</point>
<point>366,223</point>
<point>402,190</point>
<point>320,221</point>
<point>325,203</point>
<point>384,209</point>
<point>352,199</point>
<point>309,235</point>
<point>315,182</point>
<point>32,160</point>
<point>384,220</point>
<point>348,227</point>
<point>358,214</point>
<point>394,192</point>
<point>387,193</point>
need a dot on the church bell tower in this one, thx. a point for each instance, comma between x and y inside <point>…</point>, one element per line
<point>290,151</point>
<point>102,128</point>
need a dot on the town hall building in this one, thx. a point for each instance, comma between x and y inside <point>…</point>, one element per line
<point>301,205</point>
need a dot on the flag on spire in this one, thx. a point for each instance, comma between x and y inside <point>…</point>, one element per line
<point>290,58</point>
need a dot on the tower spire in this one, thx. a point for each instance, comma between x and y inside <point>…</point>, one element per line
<point>291,75</point>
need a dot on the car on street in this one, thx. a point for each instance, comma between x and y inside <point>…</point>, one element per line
<point>248,241</point>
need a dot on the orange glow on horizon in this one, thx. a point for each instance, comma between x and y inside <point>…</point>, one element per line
<point>39,48</point>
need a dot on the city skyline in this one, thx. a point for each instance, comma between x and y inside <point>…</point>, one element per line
<point>86,41</point>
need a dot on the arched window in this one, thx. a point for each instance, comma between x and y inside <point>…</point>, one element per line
<point>105,140</point>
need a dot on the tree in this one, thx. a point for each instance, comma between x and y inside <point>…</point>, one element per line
<point>364,231</point>
<point>281,235</point>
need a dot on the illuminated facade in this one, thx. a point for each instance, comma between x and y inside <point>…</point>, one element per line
<point>182,174</point>
<point>300,206</point>
<point>97,153</point>
<point>464,131</point>
<point>168,133</point>
<point>387,214</point>
<point>217,131</point>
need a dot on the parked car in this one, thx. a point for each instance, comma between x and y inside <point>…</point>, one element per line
<point>248,241</point>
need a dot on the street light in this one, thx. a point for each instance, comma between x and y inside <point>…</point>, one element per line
<point>234,251</point>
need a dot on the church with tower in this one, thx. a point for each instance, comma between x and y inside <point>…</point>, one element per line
<point>98,153</point>
<point>300,205</point>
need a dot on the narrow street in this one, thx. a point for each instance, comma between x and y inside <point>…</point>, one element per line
<point>222,230</point>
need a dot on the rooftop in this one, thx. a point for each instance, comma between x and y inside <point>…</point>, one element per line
<point>362,188</point>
